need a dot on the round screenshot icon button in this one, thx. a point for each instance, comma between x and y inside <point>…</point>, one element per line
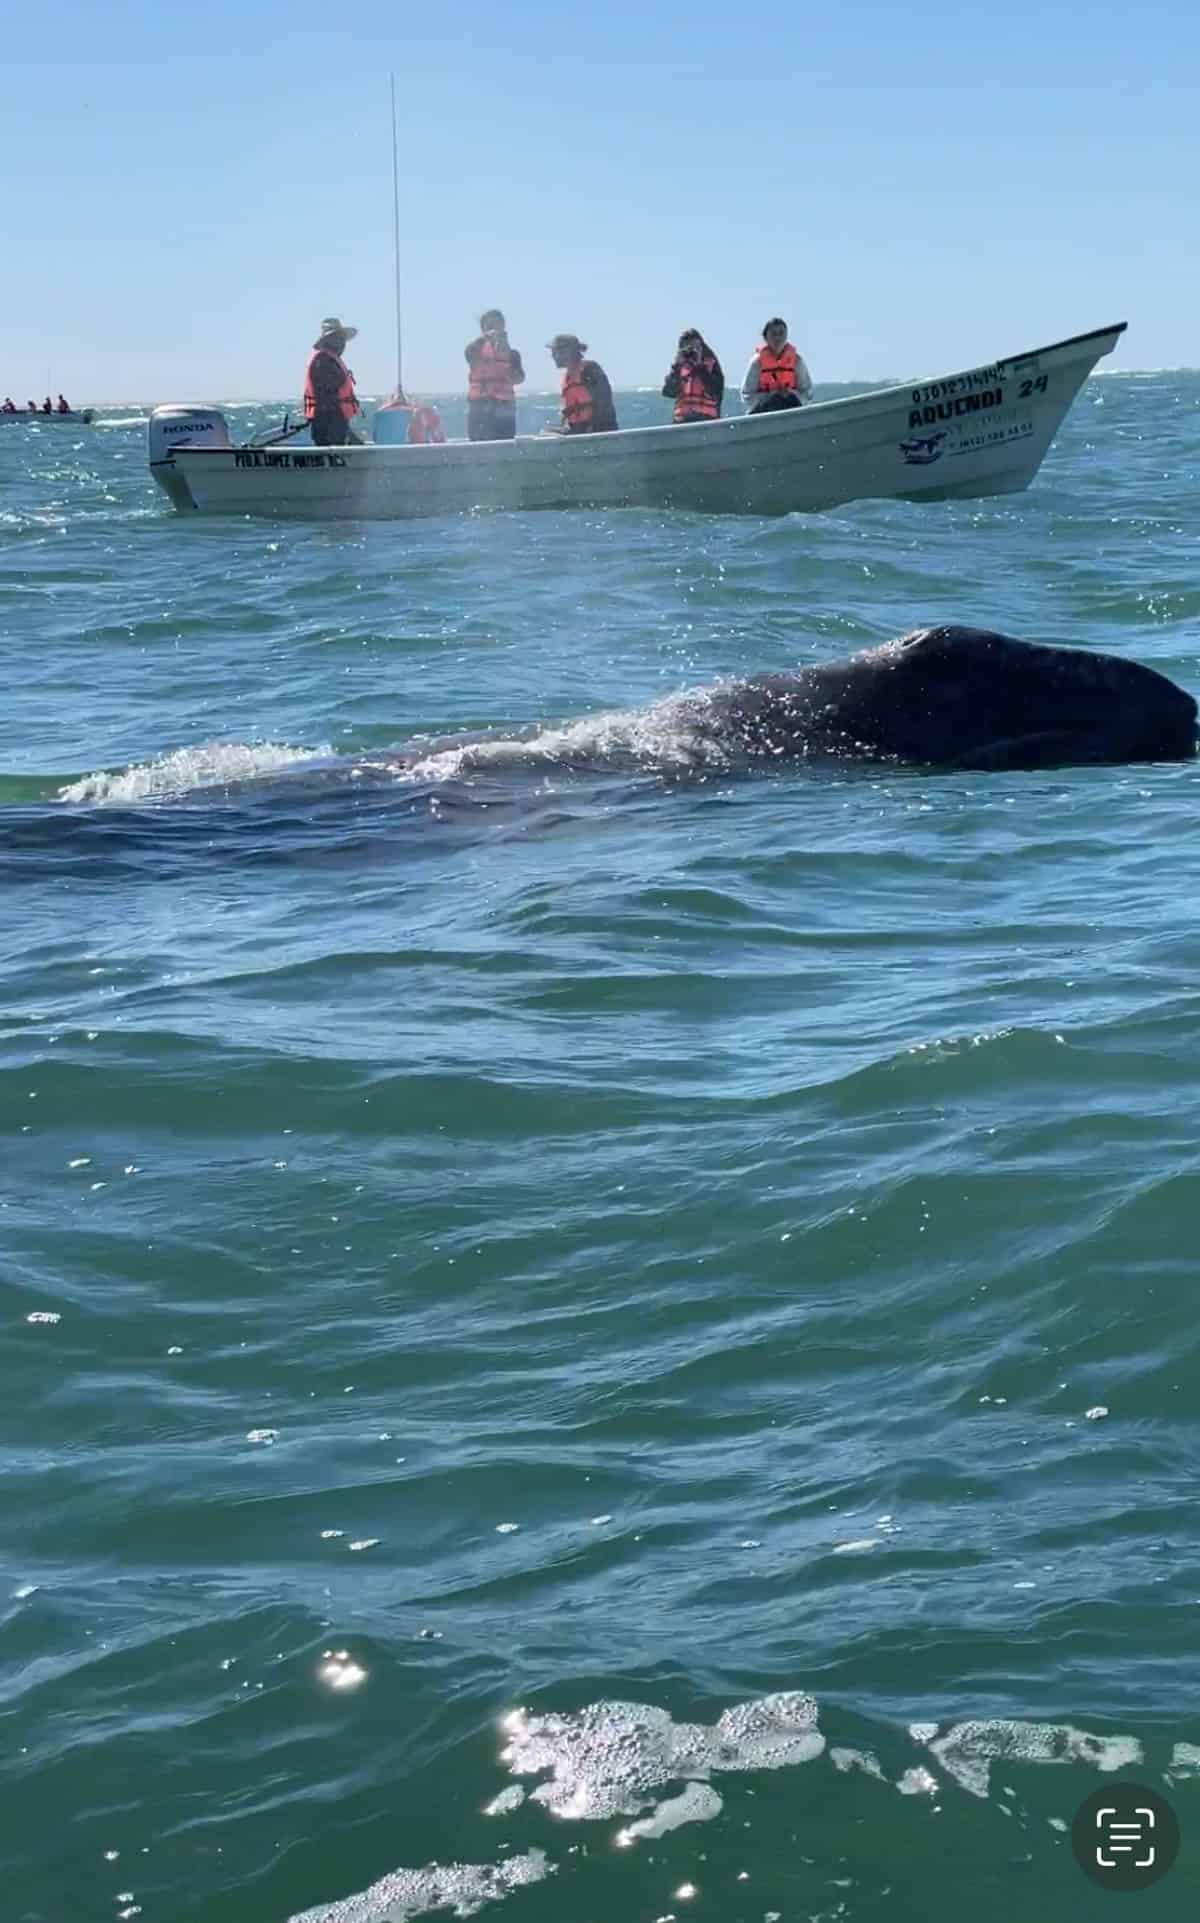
<point>1125,1836</point>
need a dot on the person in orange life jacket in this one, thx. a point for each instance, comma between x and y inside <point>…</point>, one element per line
<point>777,376</point>
<point>495,370</point>
<point>330,402</point>
<point>695,382</point>
<point>425,426</point>
<point>587,398</point>
<point>63,406</point>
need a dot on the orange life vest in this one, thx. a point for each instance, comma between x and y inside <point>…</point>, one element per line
<point>576,399</point>
<point>425,427</point>
<point>345,393</point>
<point>695,402</point>
<point>491,376</point>
<point>777,372</point>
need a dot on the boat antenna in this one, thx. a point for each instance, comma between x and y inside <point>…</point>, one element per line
<point>396,242</point>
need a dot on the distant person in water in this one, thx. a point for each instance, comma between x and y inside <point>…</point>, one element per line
<point>31,407</point>
<point>587,398</point>
<point>495,372</point>
<point>777,376</point>
<point>64,407</point>
<point>695,382</point>
<point>47,405</point>
<point>10,406</point>
<point>330,402</point>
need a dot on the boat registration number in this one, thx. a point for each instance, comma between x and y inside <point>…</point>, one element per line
<point>262,457</point>
<point>979,377</point>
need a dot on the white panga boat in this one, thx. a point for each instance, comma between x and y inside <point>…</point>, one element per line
<point>983,431</point>
<point>79,416</point>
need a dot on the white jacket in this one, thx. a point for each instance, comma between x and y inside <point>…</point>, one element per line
<point>750,388</point>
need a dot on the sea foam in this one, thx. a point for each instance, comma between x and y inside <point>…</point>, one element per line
<point>211,764</point>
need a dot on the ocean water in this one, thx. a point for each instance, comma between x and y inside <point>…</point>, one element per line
<point>586,1337</point>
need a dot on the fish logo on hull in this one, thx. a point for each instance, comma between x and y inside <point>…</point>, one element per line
<point>919,453</point>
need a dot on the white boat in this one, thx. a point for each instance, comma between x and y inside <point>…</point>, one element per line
<point>79,416</point>
<point>983,431</point>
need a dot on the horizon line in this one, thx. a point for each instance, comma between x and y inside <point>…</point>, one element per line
<point>552,393</point>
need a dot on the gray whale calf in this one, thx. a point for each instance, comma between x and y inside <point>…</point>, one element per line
<point>953,697</point>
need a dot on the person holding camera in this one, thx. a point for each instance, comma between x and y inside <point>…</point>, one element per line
<point>696,382</point>
<point>495,372</point>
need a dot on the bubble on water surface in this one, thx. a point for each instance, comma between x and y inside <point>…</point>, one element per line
<point>610,1758</point>
<point>968,1750</point>
<point>463,1888</point>
<point>696,1803</point>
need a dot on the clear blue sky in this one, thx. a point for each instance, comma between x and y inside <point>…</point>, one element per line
<point>188,189</point>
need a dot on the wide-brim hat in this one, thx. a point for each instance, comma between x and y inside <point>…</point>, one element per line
<point>333,325</point>
<point>567,340</point>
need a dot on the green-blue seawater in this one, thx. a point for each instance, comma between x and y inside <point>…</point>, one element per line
<point>627,1334</point>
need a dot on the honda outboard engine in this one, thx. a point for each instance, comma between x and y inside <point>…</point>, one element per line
<point>172,427</point>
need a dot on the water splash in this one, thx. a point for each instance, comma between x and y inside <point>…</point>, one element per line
<point>211,764</point>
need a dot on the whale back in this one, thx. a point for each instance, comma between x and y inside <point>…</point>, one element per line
<point>966,697</point>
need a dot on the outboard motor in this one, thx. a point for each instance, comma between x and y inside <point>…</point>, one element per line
<point>172,427</point>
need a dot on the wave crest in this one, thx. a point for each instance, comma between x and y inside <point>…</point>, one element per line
<point>210,764</point>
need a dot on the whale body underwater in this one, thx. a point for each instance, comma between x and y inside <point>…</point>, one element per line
<point>939,698</point>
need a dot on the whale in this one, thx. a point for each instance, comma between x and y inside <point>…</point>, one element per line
<point>939,698</point>
<point>962,697</point>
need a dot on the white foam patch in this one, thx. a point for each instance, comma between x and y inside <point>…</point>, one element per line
<point>211,764</point>
<point>463,1888</point>
<point>1185,1760</point>
<point>968,1751</point>
<point>508,1800</point>
<point>608,1759</point>
<point>696,1803</point>
<point>664,736</point>
<point>848,1759</point>
<point>917,1782</point>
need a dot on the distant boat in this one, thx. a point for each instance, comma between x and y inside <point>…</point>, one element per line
<point>959,436</point>
<point>79,415</point>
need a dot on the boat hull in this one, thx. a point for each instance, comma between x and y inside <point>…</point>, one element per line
<point>984,431</point>
<point>78,417</point>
